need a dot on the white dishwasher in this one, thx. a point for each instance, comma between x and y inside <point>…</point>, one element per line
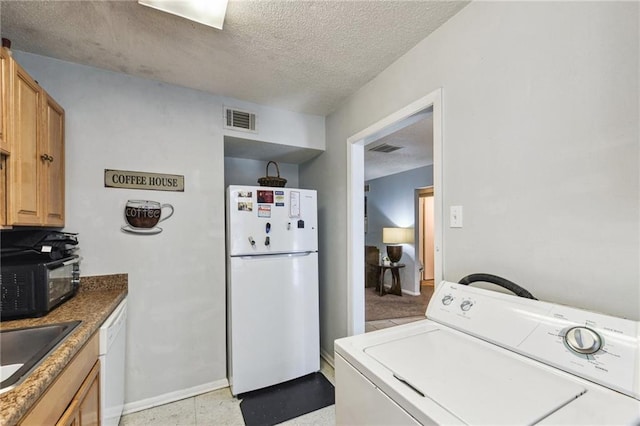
<point>112,352</point>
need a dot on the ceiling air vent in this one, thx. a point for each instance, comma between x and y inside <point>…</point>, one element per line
<point>386,148</point>
<point>240,120</point>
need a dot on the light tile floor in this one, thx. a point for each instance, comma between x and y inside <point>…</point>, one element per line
<point>219,408</point>
<point>380,324</point>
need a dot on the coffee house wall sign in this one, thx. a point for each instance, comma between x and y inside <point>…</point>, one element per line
<point>143,216</point>
<point>143,180</point>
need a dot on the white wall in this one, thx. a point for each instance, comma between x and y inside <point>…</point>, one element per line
<point>540,125</point>
<point>177,332</point>
<point>280,126</point>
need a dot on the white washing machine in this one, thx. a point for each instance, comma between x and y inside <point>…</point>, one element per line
<point>490,358</point>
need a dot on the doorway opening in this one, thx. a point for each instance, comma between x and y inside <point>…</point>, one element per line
<point>356,211</point>
<point>425,235</point>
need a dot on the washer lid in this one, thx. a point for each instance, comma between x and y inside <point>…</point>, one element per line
<point>473,381</point>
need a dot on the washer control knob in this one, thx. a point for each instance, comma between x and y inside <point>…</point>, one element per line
<point>583,340</point>
<point>447,299</point>
<point>466,305</point>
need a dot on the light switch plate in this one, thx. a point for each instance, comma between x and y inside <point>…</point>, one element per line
<point>455,219</point>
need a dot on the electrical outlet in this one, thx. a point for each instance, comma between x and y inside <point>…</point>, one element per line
<point>455,218</point>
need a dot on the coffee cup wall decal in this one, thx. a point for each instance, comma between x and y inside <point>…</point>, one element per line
<point>143,216</point>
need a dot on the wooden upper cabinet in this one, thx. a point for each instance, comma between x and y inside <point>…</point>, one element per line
<point>53,165</point>
<point>4,100</point>
<point>35,181</point>
<point>24,186</point>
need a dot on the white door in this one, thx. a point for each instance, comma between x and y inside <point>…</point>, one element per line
<point>427,253</point>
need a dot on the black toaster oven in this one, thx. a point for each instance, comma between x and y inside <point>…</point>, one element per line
<point>32,289</point>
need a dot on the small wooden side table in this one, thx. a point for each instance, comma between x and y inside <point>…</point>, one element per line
<point>396,287</point>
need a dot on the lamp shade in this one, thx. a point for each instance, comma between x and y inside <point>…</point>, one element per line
<point>397,235</point>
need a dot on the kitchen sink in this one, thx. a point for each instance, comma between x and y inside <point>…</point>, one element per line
<point>23,349</point>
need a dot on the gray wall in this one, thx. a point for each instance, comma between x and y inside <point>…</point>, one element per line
<point>176,343</point>
<point>540,147</point>
<point>391,203</point>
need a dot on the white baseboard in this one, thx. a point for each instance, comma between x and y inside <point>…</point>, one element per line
<point>132,407</point>
<point>411,293</point>
<point>327,357</point>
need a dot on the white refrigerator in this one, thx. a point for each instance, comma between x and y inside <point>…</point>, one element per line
<point>272,286</point>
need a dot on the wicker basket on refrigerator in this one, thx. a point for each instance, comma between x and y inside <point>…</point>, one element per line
<point>276,181</point>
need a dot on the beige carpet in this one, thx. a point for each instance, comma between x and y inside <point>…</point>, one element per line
<point>391,306</point>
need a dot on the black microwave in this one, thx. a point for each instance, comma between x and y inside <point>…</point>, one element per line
<point>32,289</point>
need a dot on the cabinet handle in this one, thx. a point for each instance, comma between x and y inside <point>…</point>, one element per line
<point>50,159</point>
<point>44,157</point>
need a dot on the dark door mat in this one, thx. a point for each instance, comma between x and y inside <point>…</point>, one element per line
<point>284,401</point>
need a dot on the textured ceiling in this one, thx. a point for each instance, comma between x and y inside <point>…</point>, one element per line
<point>416,143</point>
<point>305,56</point>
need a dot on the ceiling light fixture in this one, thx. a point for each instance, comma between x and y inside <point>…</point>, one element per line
<point>206,12</point>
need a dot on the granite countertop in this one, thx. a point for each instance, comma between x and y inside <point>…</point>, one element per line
<point>97,297</point>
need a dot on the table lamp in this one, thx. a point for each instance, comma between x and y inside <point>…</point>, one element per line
<point>394,238</point>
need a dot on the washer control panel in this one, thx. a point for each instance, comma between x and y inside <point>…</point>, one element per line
<point>583,340</point>
<point>597,347</point>
<point>466,305</point>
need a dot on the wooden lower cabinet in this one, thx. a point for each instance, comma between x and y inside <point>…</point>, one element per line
<point>90,404</point>
<point>3,191</point>
<point>74,398</point>
<point>85,407</point>
<point>71,417</point>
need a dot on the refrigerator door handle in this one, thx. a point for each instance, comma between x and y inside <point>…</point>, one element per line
<point>271,256</point>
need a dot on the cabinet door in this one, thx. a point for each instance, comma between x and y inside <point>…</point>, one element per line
<point>25,180</point>
<point>89,410</point>
<point>84,409</point>
<point>4,99</point>
<point>71,416</point>
<point>53,166</point>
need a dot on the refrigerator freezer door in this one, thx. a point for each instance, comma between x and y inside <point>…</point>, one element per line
<point>273,320</point>
<point>264,220</point>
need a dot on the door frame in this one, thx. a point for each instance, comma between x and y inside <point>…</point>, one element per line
<point>355,199</point>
